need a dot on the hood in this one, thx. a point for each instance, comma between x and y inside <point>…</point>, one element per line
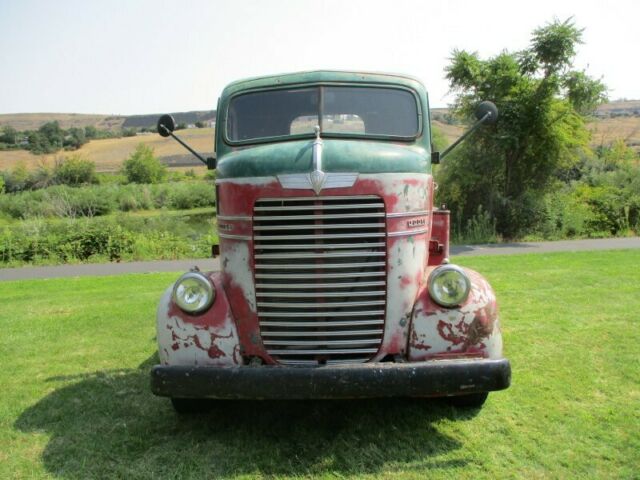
<point>337,156</point>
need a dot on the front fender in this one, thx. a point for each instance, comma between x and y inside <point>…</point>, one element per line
<point>209,338</point>
<point>470,330</point>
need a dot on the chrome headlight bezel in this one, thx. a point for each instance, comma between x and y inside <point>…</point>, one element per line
<point>207,289</point>
<point>438,273</point>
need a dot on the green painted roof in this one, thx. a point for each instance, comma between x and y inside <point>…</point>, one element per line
<point>321,76</point>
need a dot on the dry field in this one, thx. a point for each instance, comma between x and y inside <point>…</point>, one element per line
<point>33,121</point>
<point>108,154</point>
<point>606,130</point>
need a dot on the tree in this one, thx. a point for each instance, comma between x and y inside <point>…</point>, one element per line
<point>74,170</point>
<point>9,135</point>
<point>542,102</point>
<point>143,166</point>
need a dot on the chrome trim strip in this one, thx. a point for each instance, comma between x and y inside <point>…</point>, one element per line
<point>320,343</point>
<point>361,313</point>
<point>347,323</point>
<point>318,217</point>
<point>408,232</point>
<point>407,214</point>
<point>302,276</point>
<point>322,352</point>
<point>302,255</point>
<point>317,181</point>
<point>234,237</point>
<point>323,198</point>
<point>318,207</point>
<point>320,304</point>
<point>234,217</point>
<point>317,227</point>
<point>318,266</point>
<point>306,246</point>
<point>325,333</point>
<point>318,237</point>
<point>293,286</point>
<point>374,293</point>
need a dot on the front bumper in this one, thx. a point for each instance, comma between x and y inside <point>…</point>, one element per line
<point>419,379</point>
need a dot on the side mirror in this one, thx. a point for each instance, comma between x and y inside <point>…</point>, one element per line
<point>166,125</point>
<point>487,112</point>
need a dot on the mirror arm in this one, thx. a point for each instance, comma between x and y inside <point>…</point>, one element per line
<point>207,162</point>
<point>475,126</point>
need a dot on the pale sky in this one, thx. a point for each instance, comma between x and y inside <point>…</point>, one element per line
<point>144,56</point>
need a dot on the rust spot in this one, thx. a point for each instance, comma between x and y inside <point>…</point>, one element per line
<point>215,352</point>
<point>175,346</point>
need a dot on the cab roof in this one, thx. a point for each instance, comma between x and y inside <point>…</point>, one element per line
<point>322,76</point>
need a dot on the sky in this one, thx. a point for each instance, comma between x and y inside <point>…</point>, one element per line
<point>144,56</point>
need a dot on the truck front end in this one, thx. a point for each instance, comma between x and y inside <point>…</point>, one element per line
<point>335,279</point>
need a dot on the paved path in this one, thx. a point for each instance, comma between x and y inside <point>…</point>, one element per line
<point>24,273</point>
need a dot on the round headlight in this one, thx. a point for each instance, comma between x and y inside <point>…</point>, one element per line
<point>193,292</point>
<point>449,285</point>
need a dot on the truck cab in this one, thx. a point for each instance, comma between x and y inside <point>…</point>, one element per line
<point>335,277</point>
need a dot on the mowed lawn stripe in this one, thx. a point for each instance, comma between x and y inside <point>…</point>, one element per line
<point>76,404</point>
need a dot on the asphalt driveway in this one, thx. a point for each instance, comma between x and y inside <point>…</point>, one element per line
<point>25,273</point>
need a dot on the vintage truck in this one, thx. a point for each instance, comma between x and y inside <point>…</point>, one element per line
<point>335,280</point>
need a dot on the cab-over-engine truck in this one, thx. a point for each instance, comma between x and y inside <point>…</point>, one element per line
<point>335,278</point>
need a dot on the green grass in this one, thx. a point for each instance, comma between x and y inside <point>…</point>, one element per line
<point>75,401</point>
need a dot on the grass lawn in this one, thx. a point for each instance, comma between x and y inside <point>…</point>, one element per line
<point>75,401</point>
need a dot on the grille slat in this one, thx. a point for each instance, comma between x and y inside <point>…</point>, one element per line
<point>322,324</point>
<point>321,333</point>
<point>321,277</point>
<point>322,294</point>
<point>311,266</point>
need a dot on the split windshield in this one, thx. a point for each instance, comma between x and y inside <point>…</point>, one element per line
<point>357,111</point>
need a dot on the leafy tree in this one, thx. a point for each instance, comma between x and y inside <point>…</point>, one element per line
<point>542,102</point>
<point>143,166</point>
<point>75,138</point>
<point>1,184</point>
<point>9,135</point>
<point>90,132</point>
<point>74,170</point>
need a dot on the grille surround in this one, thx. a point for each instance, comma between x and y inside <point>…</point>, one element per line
<point>320,276</point>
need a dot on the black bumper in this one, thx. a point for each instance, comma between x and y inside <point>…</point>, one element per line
<point>419,379</point>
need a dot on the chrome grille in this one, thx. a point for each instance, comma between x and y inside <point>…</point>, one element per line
<point>320,272</point>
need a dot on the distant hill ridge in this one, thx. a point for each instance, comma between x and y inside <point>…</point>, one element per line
<point>32,121</point>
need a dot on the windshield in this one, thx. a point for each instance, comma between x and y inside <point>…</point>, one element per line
<point>359,111</point>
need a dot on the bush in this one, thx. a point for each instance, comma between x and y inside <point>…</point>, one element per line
<point>185,196</point>
<point>103,239</point>
<point>143,167</point>
<point>74,170</point>
<point>1,184</point>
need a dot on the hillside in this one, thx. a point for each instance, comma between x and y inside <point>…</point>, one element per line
<point>32,121</point>
<point>615,120</point>
<point>108,154</point>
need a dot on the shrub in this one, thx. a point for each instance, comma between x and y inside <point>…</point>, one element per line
<point>1,184</point>
<point>74,170</point>
<point>143,167</point>
<point>191,195</point>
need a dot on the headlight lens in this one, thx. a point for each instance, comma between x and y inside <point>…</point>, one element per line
<point>193,292</point>
<point>449,285</point>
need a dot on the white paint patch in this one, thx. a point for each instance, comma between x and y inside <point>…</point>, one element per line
<point>235,262</point>
<point>183,343</point>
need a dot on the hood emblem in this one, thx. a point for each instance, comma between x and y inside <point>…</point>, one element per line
<point>317,179</point>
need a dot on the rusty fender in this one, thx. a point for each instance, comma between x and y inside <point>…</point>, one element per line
<point>470,330</point>
<point>209,338</point>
